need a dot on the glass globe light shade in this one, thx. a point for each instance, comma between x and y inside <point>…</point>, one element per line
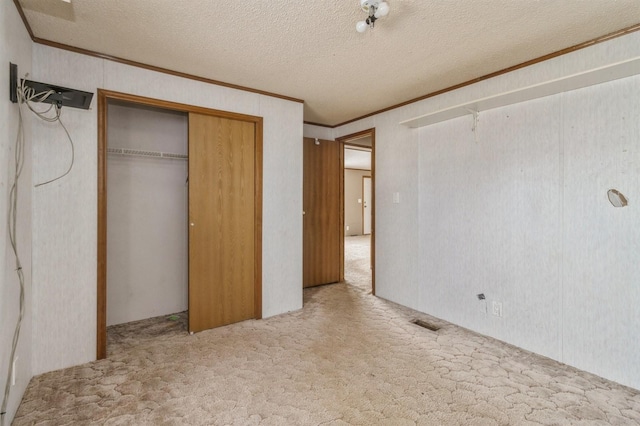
<point>382,10</point>
<point>361,26</point>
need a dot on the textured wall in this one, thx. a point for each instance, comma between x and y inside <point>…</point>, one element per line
<point>65,220</point>
<point>520,214</point>
<point>15,46</point>
<point>147,250</point>
<point>64,213</point>
<point>311,131</point>
<point>281,206</point>
<point>489,215</point>
<point>601,256</point>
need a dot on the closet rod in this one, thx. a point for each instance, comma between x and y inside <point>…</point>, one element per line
<point>141,153</point>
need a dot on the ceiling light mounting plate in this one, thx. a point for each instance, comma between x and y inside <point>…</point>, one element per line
<point>366,4</point>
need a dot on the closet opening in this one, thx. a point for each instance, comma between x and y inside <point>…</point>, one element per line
<point>179,217</point>
<point>147,219</point>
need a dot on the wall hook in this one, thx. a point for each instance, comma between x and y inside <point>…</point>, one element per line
<point>476,119</point>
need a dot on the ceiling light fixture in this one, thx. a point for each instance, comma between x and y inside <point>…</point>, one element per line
<point>376,9</point>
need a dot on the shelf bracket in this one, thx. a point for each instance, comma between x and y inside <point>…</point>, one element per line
<point>476,118</point>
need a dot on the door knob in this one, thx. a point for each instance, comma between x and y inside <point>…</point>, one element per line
<point>192,224</point>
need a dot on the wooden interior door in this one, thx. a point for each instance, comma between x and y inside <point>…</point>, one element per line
<point>322,209</point>
<point>221,221</point>
<point>366,205</point>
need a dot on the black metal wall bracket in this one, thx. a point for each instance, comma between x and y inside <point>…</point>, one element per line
<point>13,82</point>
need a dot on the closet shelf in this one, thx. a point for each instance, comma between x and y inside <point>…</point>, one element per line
<point>142,153</point>
<point>580,80</point>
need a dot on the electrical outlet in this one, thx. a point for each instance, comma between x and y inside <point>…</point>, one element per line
<point>496,308</point>
<point>347,227</point>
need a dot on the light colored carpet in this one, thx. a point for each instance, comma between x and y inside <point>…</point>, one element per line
<point>357,262</point>
<point>346,358</point>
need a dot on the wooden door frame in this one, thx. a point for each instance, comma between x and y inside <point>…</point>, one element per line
<point>346,140</point>
<point>104,96</point>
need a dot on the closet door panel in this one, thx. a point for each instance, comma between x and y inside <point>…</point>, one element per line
<point>221,221</point>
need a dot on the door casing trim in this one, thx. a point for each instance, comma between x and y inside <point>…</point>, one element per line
<point>345,140</point>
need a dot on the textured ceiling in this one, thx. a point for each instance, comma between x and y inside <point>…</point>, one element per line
<point>311,51</point>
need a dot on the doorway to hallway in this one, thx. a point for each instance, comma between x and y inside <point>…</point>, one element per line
<point>358,209</point>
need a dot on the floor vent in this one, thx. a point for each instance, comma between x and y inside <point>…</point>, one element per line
<point>426,325</point>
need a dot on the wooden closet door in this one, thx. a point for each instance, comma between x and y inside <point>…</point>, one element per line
<point>322,209</point>
<point>221,221</point>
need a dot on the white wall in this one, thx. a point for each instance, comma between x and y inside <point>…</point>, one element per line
<point>65,213</point>
<point>489,223</point>
<point>600,278</point>
<point>311,131</point>
<point>15,46</point>
<point>147,240</point>
<point>522,214</point>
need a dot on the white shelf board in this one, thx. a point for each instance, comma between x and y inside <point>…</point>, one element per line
<point>145,153</point>
<point>610,72</point>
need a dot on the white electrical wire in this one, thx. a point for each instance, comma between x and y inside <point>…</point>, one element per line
<point>73,154</point>
<point>26,95</point>
<point>12,222</point>
<point>29,95</point>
